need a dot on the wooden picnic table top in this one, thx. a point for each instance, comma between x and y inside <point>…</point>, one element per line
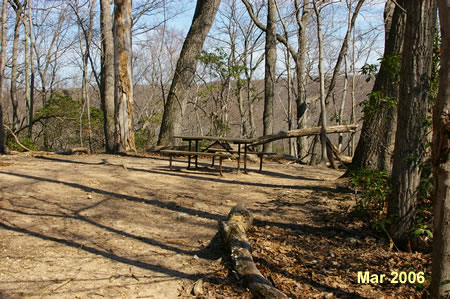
<point>234,140</point>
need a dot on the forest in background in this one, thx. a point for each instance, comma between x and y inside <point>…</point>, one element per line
<point>53,57</point>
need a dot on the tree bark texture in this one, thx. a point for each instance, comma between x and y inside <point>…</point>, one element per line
<point>3,148</point>
<point>441,166</point>
<point>302,105</point>
<point>376,144</point>
<point>269,74</point>
<point>233,232</point>
<point>183,79</point>
<point>124,102</point>
<point>107,74</point>
<point>410,139</point>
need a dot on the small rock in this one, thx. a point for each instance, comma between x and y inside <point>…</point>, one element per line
<point>181,216</point>
<point>89,196</point>
<point>198,288</point>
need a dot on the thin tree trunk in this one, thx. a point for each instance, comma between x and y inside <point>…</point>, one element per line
<point>204,15</point>
<point>28,62</point>
<point>351,146</point>
<point>29,20</point>
<point>14,73</point>
<point>441,167</point>
<point>107,74</point>
<point>344,98</point>
<point>344,48</point>
<point>344,91</point>
<point>124,102</point>
<point>3,148</point>
<point>410,139</point>
<point>288,79</point>
<point>269,76</point>
<point>323,107</point>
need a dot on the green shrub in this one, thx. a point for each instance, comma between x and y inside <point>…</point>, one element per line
<point>372,187</point>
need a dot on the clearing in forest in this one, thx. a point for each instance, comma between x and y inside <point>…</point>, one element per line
<point>103,226</point>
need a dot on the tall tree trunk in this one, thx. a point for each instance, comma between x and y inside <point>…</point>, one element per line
<point>302,105</point>
<point>323,107</point>
<point>124,102</point>
<point>29,20</point>
<point>204,15</point>
<point>344,99</point>
<point>107,74</point>
<point>441,166</point>
<point>288,80</point>
<point>376,144</point>
<point>18,8</point>
<point>410,139</point>
<point>351,144</point>
<point>3,148</point>
<point>27,44</point>
<point>269,76</point>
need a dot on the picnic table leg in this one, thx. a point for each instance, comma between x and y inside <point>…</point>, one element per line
<point>245,158</point>
<point>170,162</point>
<point>197,150</point>
<point>260,161</point>
<point>239,158</point>
<point>189,157</point>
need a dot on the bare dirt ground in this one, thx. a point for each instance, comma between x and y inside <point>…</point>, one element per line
<point>105,226</point>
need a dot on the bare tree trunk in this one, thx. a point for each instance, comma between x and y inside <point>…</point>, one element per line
<point>441,167</point>
<point>351,146</point>
<point>344,47</point>
<point>3,148</point>
<point>323,107</point>
<point>18,8</point>
<point>299,56</point>
<point>288,79</point>
<point>107,74</point>
<point>124,102</point>
<point>302,105</point>
<point>410,139</point>
<point>269,76</point>
<point>344,99</point>
<point>29,21</point>
<point>28,62</point>
<point>204,15</point>
<point>376,144</point>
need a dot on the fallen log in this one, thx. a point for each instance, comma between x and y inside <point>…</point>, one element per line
<point>233,232</point>
<point>304,132</point>
<point>75,150</point>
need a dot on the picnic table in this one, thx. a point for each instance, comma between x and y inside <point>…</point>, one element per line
<point>222,143</point>
<point>219,147</point>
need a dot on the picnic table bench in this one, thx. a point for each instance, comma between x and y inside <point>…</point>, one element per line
<point>190,154</point>
<point>259,154</point>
